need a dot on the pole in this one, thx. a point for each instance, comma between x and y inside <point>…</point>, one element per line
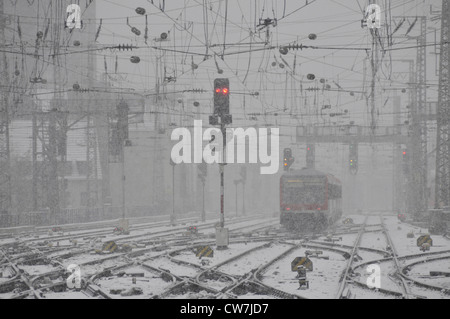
<point>35,164</point>
<point>442,193</point>
<point>222,178</point>
<point>243,198</point>
<point>203,206</point>
<point>236,183</point>
<point>5,156</point>
<point>374,66</point>
<point>123,184</point>
<point>172,218</point>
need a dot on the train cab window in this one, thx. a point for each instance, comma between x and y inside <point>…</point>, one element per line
<point>334,191</point>
<point>312,195</point>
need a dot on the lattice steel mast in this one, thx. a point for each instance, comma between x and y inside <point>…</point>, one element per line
<point>443,119</point>
<point>418,186</point>
<point>5,181</point>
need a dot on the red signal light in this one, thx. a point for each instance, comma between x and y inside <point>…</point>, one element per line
<point>224,91</point>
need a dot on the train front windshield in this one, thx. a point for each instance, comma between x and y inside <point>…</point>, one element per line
<point>303,191</point>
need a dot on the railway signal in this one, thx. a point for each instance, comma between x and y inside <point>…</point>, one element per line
<point>405,162</point>
<point>311,156</point>
<point>222,117</point>
<point>288,159</point>
<point>354,158</point>
<point>221,97</point>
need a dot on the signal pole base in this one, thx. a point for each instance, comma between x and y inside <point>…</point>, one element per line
<point>222,238</point>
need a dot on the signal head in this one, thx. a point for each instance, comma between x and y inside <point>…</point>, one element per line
<point>221,97</point>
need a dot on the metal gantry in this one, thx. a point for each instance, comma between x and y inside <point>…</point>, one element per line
<point>443,120</point>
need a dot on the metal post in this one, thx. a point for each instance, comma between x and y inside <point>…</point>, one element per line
<point>172,217</point>
<point>442,193</point>
<point>236,183</point>
<point>52,172</point>
<point>243,198</point>
<point>222,178</point>
<point>374,67</point>
<point>398,200</point>
<point>35,180</point>
<point>203,206</point>
<point>123,185</point>
<point>5,180</point>
<point>222,235</point>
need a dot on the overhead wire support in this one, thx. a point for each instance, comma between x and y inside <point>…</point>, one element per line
<point>285,48</point>
<point>442,192</point>
<point>419,126</point>
<point>374,62</point>
<point>5,181</point>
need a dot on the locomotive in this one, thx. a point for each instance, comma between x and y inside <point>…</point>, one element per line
<point>309,200</point>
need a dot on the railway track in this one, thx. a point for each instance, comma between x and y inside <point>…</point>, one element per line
<point>348,268</point>
<point>406,269</point>
<point>390,255</point>
<point>395,276</point>
<point>258,248</point>
<point>36,255</point>
<point>399,273</point>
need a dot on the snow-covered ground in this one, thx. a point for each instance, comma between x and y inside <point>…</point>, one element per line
<point>170,249</point>
<point>323,281</point>
<point>151,284</point>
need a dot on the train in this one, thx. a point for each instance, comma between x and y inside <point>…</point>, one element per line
<point>309,200</point>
